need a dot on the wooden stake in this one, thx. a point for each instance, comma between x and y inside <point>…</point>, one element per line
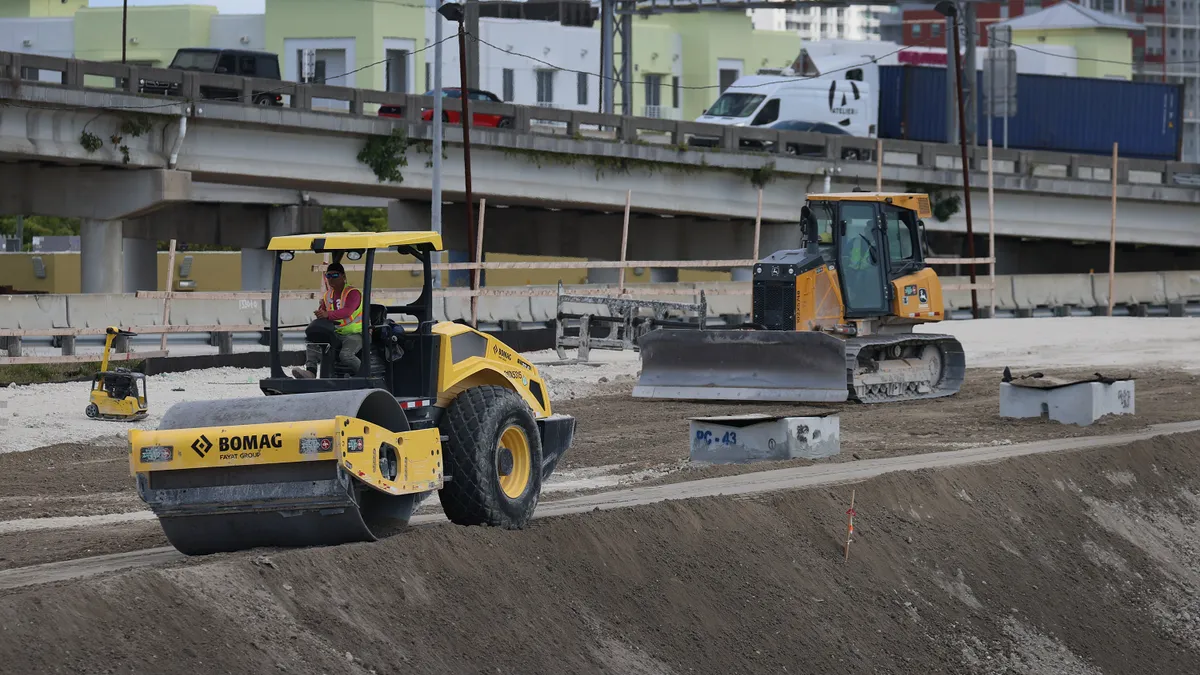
<point>991,230</point>
<point>624,242</point>
<point>162,344</point>
<point>477,261</point>
<point>1112,235</point>
<point>758,223</point>
<point>879,165</point>
<point>850,526</point>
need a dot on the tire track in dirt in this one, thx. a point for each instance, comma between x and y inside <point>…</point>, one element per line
<point>750,483</point>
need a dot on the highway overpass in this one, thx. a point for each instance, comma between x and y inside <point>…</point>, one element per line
<point>194,169</point>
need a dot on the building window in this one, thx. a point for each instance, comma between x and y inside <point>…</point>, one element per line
<point>508,85</point>
<point>674,91</point>
<point>653,90</point>
<point>397,70</point>
<point>581,89</point>
<point>916,30</point>
<point>428,76</point>
<point>935,30</point>
<point>545,86</point>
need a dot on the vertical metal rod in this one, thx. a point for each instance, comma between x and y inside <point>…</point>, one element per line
<point>465,117</point>
<point>991,231</point>
<point>162,341</point>
<point>879,165</point>
<point>607,83</point>
<point>435,206</point>
<point>971,73</point>
<point>624,243</point>
<point>124,28</point>
<point>475,272</point>
<point>758,223</point>
<point>966,169</point>
<point>951,65</point>
<point>627,64</point>
<point>1112,235</point>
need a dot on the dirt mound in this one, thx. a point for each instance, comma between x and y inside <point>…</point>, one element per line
<point>1067,563</point>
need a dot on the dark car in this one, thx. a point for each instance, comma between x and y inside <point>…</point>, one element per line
<point>242,62</point>
<point>453,116</point>
<point>802,149</point>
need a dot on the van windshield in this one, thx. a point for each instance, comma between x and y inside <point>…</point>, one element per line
<point>185,60</point>
<point>736,105</point>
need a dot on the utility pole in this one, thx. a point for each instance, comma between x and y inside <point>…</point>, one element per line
<point>948,9</point>
<point>124,28</point>
<point>453,11</point>
<point>435,206</point>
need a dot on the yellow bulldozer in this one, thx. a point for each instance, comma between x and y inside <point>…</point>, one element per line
<point>831,321</point>
<point>348,456</point>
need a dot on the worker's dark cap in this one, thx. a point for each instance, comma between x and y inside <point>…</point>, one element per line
<point>336,267</point>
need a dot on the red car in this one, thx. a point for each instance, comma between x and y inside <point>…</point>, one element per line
<point>452,116</point>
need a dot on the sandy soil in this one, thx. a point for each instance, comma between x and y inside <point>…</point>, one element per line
<point>1073,563</point>
<point>622,441</point>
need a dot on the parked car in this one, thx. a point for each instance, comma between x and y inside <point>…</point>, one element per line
<point>453,116</point>
<point>242,62</point>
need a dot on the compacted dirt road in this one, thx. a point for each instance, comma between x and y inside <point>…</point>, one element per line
<point>1068,562</point>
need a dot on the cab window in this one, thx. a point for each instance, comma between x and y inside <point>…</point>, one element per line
<point>900,234</point>
<point>768,114</point>
<point>823,215</point>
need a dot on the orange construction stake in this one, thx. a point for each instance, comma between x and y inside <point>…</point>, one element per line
<point>850,525</point>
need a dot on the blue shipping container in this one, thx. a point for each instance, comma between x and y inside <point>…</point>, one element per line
<point>1062,114</point>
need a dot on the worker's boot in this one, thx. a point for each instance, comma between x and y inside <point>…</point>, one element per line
<point>303,373</point>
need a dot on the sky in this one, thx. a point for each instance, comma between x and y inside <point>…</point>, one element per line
<point>223,6</point>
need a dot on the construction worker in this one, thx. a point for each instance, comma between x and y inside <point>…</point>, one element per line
<point>342,305</point>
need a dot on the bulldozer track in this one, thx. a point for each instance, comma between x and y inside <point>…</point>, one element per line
<point>751,483</point>
<point>946,381</point>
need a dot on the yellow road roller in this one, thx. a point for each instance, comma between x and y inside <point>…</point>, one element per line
<point>346,455</point>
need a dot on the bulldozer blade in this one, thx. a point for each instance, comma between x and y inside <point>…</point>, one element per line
<point>742,365</point>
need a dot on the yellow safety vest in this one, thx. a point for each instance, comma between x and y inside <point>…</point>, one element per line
<point>351,324</point>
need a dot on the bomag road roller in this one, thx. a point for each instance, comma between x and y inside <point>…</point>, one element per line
<point>347,456</point>
<point>831,321</point>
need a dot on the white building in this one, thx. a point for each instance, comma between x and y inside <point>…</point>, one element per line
<point>858,22</point>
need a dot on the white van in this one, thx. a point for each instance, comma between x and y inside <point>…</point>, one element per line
<point>762,100</point>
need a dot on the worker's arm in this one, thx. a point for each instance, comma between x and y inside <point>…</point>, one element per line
<point>353,298</point>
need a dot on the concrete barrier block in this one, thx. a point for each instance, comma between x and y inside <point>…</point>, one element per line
<point>291,312</point>
<point>741,439</point>
<point>955,299</point>
<point>719,305</point>
<point>543,308</point>
<point>1052,290</point>
<point>1131,288</point>
<point>98,310</point>
<point>457,308</point>
<point>1181,286</point>
<point>33,311</point>
<point>1080,404</point>
<point>220,312</point>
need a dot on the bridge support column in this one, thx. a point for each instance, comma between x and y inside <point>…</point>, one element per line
<point>660,275</point>
<point>100,266</point>
<point>257,268</point>
<point>140,259</point>
<point>604,276</point>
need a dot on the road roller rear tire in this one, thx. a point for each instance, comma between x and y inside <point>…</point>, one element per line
<point>493,457</point>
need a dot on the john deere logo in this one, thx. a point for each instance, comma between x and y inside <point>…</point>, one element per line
<point>202,445</point>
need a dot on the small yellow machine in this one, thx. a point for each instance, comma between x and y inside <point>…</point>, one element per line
<point>119,394</point>
<point>344,456</point>
<point>831,321</point>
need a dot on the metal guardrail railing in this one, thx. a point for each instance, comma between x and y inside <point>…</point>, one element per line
<point>236,90</point>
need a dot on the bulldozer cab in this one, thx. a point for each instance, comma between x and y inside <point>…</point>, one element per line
<point>413,375</point>
<point>871,239</point>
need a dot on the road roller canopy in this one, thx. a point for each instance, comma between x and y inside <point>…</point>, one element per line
<point>356,241</point>
<point>905,200</point>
